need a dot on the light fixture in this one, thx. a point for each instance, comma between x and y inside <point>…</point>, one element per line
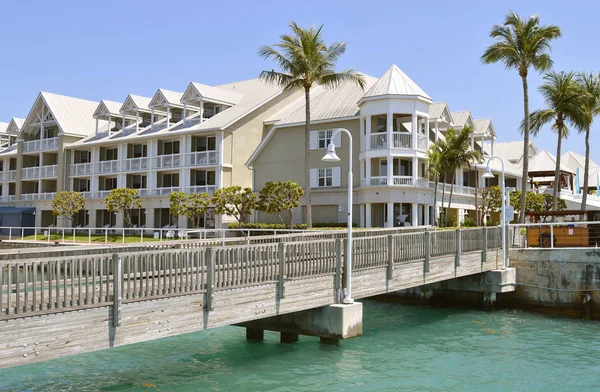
<point>331,156</point>
<point>488,173</point>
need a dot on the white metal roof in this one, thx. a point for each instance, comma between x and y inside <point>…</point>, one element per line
<point>3,127</point>
<point>325,103</point>
<point>485,127</point>
<point>574,161</point>
<point>135,102</point>
<point>74,116</point>
<point>440,110</point>
<point>395,82</point>
<point>511,151</point>
<point>543,161</point>
<point>462,118</point>
<point>215,93</point>
<point>165,97</point>
<point>106,108</point>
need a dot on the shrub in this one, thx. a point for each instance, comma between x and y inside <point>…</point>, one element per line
<point>468,222</point>
<point>491,222</point>
<point>330,225</point>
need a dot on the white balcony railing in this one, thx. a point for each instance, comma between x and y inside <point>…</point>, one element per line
<point>202,158</point>
<point>9,175</point>
<point>107,167</point>
<point>166,191</point>
<point>402,139</point>
<point>8,198</point>
<point>100,194</point>
<point>166,161</point>
<point>41,145</point>
<point>81,169</point>
<point>422,143</point>
<point>135,164</point>
<point>39,171</point>
<point>38,196</point>
<point>378,140</point>
<point>403,180</point>
<point>210,189</point>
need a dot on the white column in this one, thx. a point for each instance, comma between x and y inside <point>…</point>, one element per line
<point>119,220</point>
<point>150,218</point>
<point>362,172</point>
<point>414,131</point>
<point>426,212</point>
<point>492,146</point>
<point>460,212</point>
<point>414,215</point>
<point>201,111</point>
<point>390,215</point>
<point>472,143</point>
<point>184,172</point>
<point>108,126</point>
<point>368,134</point>
<point>367,214</point>
<point>368,173</point>
<point>437,130</point>
<point>92,218</point>
<point>168,115</point>
<point>184,111</point>
<point>152,116</point>
<point>96,126</point>
<point>362,215</point>
<point>390,169</point>
<point>219,173</point>
<point>122,176</point>
<point>427,130</point>
<point>152,153</point>
<point>415,170</point>
<point>363,146</point>
<point>390,129</point>
<point>137,121</point>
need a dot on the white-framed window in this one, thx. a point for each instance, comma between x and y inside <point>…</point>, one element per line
<point>325,177</point>
<point>322,138</point>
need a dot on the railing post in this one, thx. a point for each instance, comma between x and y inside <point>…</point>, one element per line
<point>427,250</point>
<point>210,279</point>
<point>390,264</point>
<point>117,289</point>
<point>551,235</point>
<point>282,276</point>
<point>484,245</point>
<point>338,270</point>
<point>458,250</point>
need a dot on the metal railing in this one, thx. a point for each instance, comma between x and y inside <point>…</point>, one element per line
<point>109,167</point>
<point>402,139</point>
<point>40,145</point>
<point>39,171</point>
<point>9,175</point>
<point>202,158</point>
<point>166,161</point>
<point>38,196</point>
<point>80,169</point>
<point>133,164</point>
<point>574,234</point>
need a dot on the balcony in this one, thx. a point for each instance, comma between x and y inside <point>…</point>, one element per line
<point>80,169</point>
<point>210,189</point>
<point>163,191</point>
<point>166,161</point>
<point>7,198</point>
<point>107,167</point>
<point>202,158</point>
<point>38,196</point>
<point>39,171</point>
<point>41,145</point>
<point>396,181</point>
<point>98,194</point>
<point>379,140</point>
<point>9,175</point>
<point>135,164</point>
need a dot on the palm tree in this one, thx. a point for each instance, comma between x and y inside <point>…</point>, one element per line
<point>435,170</point>
<point>590,85</point>
<point>522,44</point>
<point>305,60</point>
<point>562,97</point>
<point>458,153</point>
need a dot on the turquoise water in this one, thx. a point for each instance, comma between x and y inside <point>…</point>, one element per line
<point>404,348</point>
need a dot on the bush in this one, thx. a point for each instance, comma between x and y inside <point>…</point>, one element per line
<point>333,225</point>
<point>264,226</point>
<point>468,222</point>
<point>491,222</point>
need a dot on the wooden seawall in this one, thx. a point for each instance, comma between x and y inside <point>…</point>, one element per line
<point>68,305</point>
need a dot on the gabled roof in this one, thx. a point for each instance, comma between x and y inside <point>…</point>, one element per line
<point>325,103</point>
<point>573,161</point>
<point>196,91</point>
<point>15,125</point>
<point>544,162</point>
<point>462,118</point>
<point>395,82</point>
<point>440,110</point>
<point>3,127</point>
<point>164,98</point>
<point>484,127</point>
<point>510,151</point>
<point>135,102</point>
<point>106,108</point>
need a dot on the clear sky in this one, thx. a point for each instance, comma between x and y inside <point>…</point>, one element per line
<point>108,49</point>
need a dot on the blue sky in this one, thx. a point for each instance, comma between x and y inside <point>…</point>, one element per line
<point>108,49</point>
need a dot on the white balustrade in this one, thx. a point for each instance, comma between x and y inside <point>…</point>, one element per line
<point>422,143</point>
<point>8,198</point>
<point>38,196</point>
<point>202,158</point>
<point>378,140</point>
<point>402,180</point>
<point>163,191</point>
<point>9,175</point>
<point>80,169</point>
<point>39,171</point>
<point>41,145</point>
<point>133,164</point>
<point>107,167</point>
<point>166,161</point>
<point>402,139</point>
<point>210,189</point>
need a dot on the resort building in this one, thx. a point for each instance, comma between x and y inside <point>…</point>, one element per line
<point>247,133</point>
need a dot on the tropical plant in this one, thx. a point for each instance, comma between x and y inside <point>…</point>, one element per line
<point>192,205</point>
<point>548,204</point>
<point>276,197</point>
<point>234,201</point>
<point>533,201</point>
<point>590,86</point>
<point>304,60</point>
<point>490,201</point>
<point>67,204</point>
<point>521,44</point>
<point>123,200</point>
<point>457,153</point>
<point>562,97</point>
<point>435,170</point>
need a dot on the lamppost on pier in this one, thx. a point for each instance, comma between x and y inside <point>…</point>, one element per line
<point>331,156</point>
<point>488,174</point>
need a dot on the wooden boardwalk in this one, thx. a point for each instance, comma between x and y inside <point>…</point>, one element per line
<point>73,304</point>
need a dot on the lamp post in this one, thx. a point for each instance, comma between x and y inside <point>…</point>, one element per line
<point>331,156</point>
<point>488,174</point>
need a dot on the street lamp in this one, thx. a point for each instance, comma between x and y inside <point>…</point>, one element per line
<point>331,156</point>
<point>488,174</point>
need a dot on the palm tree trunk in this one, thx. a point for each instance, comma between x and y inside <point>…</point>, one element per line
<point>443,197</point>
<point>557,186</point>
<point>525,177</point>
<point>451,192</point>
<point>308,210</point>
<point>435,193</point>
<point>586,170</point>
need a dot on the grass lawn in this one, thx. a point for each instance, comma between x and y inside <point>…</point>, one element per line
<point>97,238</point>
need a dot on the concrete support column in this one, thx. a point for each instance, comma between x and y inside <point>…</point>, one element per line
<point>414,131</point>
<point>472,143</point>
<point>255,334</point>
<point>390,215</point>
<point>361,169</point>
<point>427,218</point>
<point>184,172</point>
<point>390,169</point>
<point>119,222</point>
<point>460,215</point>
<point>368,171</point>
<point>368,134</point>
<point>361,217</point>
<point>122,155</point>
<point>414,216</point>
<point>220,147</point>
<point>150,219</point>
<point>92,217</point>
<point>19,169</point>
<point>368,215</point>
<point>289,337</point>
<point>437,130</point>
<point>363,139</point>
<point>390,129</point>
<point>427,130</point>
<point>415,171</point>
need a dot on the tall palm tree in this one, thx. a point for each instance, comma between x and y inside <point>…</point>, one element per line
<point>590,85</point>
<point>435,170</point>
<point>522,44</point>
<point>304,60</point>
<point>562,97</point>
<point>458,153</point>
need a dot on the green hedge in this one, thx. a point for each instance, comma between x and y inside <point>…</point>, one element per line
<point>281,226</point>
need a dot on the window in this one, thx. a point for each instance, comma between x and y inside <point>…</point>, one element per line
<point>205,178</point>
<point>325,177</point>
<point>138,181</point>
<point>321,139</point>
<point>170,180</point>
<point>139,150</point>
<point>110,154</point>
<point>381,124</point>
<point>205,143</point>
<point>325,138</point>
<point>171,148</point>
<point>110,184</point>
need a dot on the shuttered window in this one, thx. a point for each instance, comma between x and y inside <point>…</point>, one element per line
<point>324,178</point>
<point>321,139</point>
